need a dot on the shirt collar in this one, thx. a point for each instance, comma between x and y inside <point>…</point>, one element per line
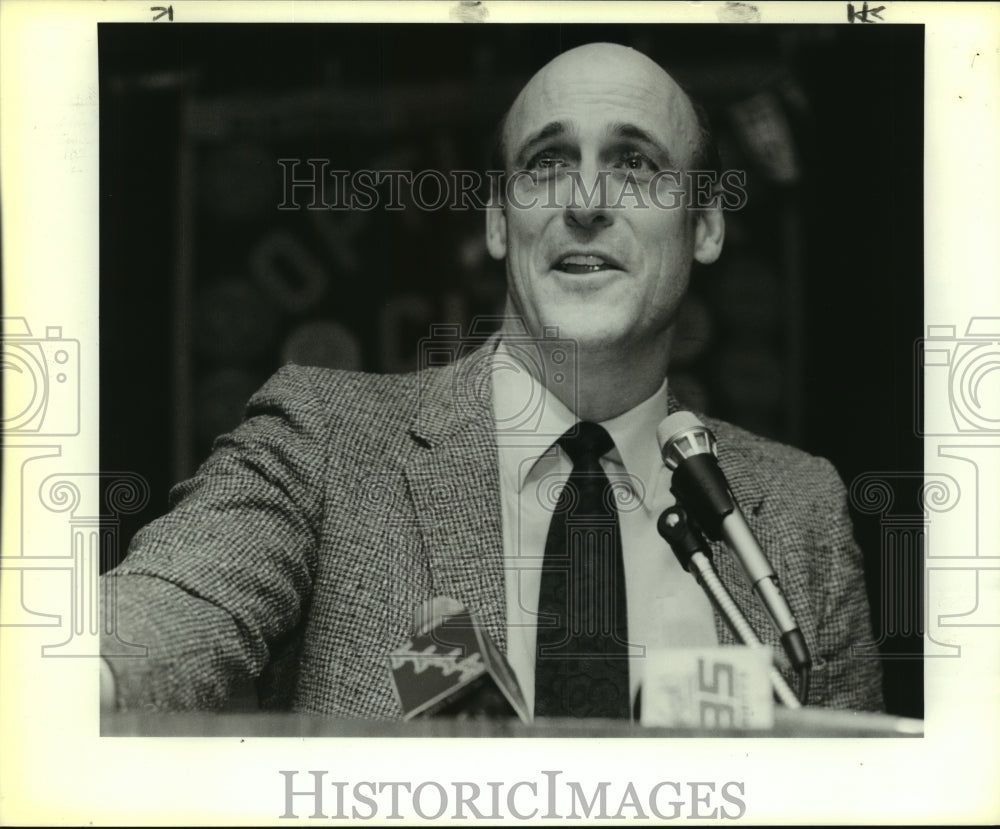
<point>529,419</point>
<point>634,434</point>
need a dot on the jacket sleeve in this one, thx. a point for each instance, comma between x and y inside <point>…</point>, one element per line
<point>848,658</point>
<point>208,587</point>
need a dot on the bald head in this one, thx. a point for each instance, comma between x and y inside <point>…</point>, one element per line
<point>595,248</point>
<point>606,73</point>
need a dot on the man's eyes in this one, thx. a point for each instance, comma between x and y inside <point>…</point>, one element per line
<point>629,161</point>
<point>547,160</point>
<point>637,162</point>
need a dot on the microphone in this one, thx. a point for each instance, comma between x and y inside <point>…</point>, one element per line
<point>689,451</point>
<point>695,556</point>
<point>451,667</point>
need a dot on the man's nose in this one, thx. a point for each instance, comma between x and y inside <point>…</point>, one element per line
<point>587,206</point>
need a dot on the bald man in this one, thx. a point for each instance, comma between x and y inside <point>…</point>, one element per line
<point>299,551</point>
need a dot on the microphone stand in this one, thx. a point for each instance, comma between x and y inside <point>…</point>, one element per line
<point>693,554</point>
<point>688,450</point>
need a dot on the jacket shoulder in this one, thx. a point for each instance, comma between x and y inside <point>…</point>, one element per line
<point>343,395</point>
<point>778,464</point>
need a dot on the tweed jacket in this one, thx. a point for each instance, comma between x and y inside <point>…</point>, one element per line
<point>298,551</point>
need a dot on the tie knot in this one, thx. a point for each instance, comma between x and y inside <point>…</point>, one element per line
<point>585,443</point>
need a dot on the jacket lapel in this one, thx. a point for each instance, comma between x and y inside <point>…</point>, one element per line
<point>454,479</point>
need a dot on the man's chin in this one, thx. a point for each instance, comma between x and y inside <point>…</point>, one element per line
<point>590,326</point>
<point>589,334</point>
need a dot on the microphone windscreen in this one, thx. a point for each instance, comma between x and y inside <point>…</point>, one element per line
<point>675,425</point>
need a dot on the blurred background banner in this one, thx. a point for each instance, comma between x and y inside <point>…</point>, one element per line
<point>216,270</point>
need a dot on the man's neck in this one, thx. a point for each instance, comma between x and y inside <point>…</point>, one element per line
<point>608,387</point>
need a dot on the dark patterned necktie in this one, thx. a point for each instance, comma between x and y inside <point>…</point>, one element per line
<point>581,661</point>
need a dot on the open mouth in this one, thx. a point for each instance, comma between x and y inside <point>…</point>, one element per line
<point>579,263</point>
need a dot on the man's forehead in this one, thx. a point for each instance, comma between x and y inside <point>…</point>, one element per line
<point>603,83</point>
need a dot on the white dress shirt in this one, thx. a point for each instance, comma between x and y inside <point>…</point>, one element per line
<point>666,607</point>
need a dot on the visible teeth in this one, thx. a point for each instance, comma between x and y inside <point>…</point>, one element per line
<point>587,261</point>
<point>579,263</point>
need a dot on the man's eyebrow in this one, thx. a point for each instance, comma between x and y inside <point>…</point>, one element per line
<point>554,129</point>
<point>635,133</point>
<point>550,130</point>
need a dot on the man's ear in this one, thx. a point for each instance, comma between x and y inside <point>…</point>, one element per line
<point>496,232</point>
<point>709,232</point>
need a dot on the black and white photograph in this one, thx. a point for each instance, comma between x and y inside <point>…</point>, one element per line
<point>398,395</point>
